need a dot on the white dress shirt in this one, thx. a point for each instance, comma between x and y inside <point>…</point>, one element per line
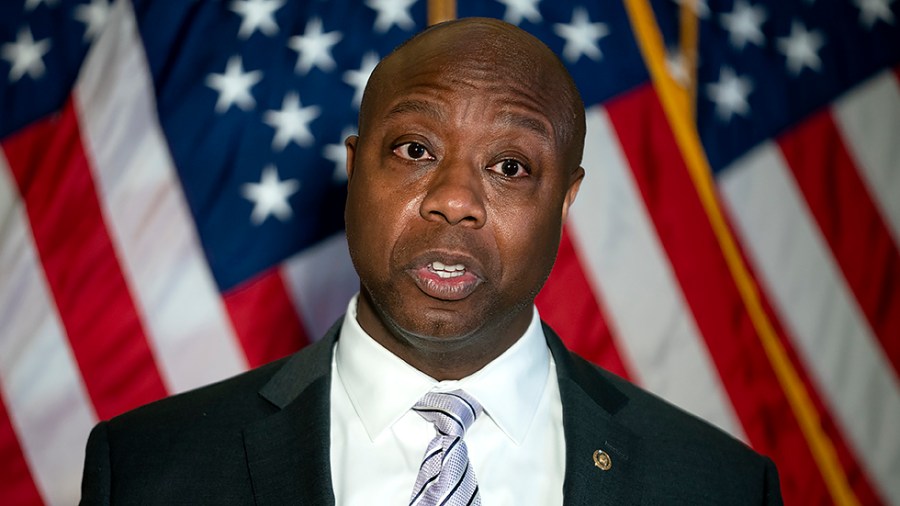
<point>517,446</point>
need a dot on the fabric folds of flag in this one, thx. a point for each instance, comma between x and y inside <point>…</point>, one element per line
<point>172,184</point>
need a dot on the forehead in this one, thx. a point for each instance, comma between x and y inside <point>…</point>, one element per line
<point>484,66</point>
<point>446,101</point>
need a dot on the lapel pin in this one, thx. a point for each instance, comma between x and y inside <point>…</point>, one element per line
<point>602,460</point>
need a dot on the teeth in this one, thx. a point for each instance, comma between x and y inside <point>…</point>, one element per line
<point>439,266</point>
<point>447,271</point>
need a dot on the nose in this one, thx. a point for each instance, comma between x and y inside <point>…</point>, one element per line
<point>455,195</point>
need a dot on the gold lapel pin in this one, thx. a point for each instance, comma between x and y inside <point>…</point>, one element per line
<point>602,460</point>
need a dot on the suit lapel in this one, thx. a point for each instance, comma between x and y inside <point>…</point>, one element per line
<point>288,453</point>
<point>590,403</point>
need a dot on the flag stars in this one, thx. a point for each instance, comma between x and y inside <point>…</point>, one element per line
<point>270,196</point>
<point>94,16</point>
<point>873,11</point>
<point>730,94</point>
<point>678,66</point>
<point>234,86</point>
<point>801,48</point>
<point>256,15</point>
<point>390,13</point>
<point>314,47</point>
<point>744,24</point>
<point>291,123</point>
<point>581,36</point>
<point>358,78</point>
<point>517,10</point>
<point>25,56</point>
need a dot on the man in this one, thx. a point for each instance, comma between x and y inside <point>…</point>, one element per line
<point>466,164</point>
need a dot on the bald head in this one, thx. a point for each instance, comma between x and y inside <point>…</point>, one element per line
<point>496,55</point>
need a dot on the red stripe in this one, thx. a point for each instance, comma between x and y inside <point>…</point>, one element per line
<point>685,233</point>
<point>856,477</point>
<point>854,228</point>
<point>93,300</point>
<point>264,318</point>
<point>569,305</point>
<point>15,478</point>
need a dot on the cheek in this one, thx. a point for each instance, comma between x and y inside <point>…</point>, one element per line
<point>377,214</point>
<point>528,239</point>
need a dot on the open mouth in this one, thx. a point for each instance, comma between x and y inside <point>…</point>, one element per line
<point>446,281</point>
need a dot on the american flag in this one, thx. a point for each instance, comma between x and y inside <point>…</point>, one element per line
<point>171,195</point>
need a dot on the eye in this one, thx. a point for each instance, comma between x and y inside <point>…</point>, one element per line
<point>510,168</point>
<point>413,151</point>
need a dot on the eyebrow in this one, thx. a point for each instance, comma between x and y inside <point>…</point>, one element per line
<point>415,106</point>
<point>529,123</point>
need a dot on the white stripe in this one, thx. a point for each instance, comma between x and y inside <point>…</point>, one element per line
<point>812,299</point>
<point>48,406</point>
<point>148,217</point>
<point>628,266</point>
<point>869,118</point>
<point>321,280</point>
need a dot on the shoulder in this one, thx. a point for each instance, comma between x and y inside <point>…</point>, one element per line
<point>184,436</point>
<point>229,398</point>
<point>214,414</point>
<point>655,418</point>
<point>194,442</point>
<point>681,458</point>
<point>239,399</point>
<point>643,413</point>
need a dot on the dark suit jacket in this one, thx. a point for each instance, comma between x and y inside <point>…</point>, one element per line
<point>263,438</point>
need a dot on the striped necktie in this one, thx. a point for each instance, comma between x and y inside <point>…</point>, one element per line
<point>446,477</point>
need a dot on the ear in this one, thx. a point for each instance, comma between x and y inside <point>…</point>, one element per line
<point>574,184</point>
<point>351,144</point>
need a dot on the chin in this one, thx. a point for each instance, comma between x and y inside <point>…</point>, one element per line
<point>431,327</point>
<point>434,329</point>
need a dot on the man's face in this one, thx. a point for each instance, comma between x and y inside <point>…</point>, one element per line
<point>457,193</point>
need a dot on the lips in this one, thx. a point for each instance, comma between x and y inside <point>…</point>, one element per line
<point>448,278</point>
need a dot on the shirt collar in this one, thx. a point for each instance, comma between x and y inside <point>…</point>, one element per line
<point>509,388</point>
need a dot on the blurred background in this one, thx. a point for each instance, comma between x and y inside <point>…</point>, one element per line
<point>171,211</point>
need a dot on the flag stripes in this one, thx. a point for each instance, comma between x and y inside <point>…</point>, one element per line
<point>631,272</point>
<point>685,244</point>
<point>739,363</point>
<point>573,309</point>
<point>40,379</point>
<point>148,217</point>
<point>790,257</point>
<point>264,318</point>
<point>320,282</point>
<point>850,223</point>
<point>15,481</point>
<point>88,288</point>
<point>695,156</point>
<point>869,119</point>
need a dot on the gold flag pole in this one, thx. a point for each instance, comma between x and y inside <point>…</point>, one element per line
<point>440,11</point>
<point>689,34</point>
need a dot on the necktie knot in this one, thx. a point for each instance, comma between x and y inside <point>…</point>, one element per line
<point>445,476</point>
<point>452,413</point>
